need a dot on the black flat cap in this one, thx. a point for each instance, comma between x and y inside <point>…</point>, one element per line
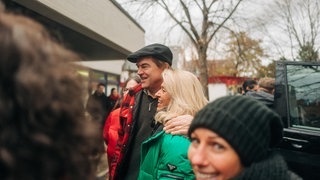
<point>158,51</point>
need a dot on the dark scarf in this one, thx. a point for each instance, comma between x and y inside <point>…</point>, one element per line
<point>272,168</point>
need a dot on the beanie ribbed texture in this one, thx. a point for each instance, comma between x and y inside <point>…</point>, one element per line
<point>247,125</point>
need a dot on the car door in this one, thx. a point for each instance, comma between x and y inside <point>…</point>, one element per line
<point>297,100</point>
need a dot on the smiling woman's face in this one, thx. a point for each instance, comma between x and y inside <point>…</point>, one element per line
<point>212,157</point>
<point>163,98</point>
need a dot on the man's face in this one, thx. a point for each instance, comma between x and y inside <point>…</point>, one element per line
<point>100,89</point>
<point>149,73</point>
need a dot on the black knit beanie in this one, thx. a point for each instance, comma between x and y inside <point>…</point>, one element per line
<point>249,126</point>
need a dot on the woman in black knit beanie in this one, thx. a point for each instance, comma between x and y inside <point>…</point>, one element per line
<point>233,137</point>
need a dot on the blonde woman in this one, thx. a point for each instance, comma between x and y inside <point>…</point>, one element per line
<point>165,155</point>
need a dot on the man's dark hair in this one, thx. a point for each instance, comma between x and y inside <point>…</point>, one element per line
<point>101,84</point>
<point>250,83</point>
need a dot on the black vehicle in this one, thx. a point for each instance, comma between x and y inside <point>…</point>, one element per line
<point>297,100</point>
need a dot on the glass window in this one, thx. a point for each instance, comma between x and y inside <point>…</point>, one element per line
<point>304,96</point>
<point>112,77</point>
<point>98,76</point>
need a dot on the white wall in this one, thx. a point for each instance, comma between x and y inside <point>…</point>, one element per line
<point>217,90</point>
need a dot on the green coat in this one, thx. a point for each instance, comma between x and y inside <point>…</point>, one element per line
<point>164,156</point>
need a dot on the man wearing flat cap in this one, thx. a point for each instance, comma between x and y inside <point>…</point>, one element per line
<point>138,109</point>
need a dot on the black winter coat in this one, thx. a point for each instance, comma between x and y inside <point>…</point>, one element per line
<point>274,167</point>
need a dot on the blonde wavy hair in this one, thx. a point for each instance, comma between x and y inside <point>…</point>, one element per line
<point>185,90</point>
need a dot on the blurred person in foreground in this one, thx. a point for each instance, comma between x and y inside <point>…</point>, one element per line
<point>139,107</point>
<point>112,126</point>
<point>43,130</point>
<point>234,138</point>
<point>165,155</point>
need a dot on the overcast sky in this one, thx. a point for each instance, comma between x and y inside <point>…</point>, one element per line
<point>275,40</point>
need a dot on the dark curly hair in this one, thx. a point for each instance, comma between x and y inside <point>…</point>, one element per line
<point>43,130</point>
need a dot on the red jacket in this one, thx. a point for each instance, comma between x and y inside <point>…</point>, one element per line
<point>117,130</point>
<point>110,136</point>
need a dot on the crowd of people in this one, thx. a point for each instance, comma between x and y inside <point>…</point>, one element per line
<point>99,106</point>
<point>162,126</point>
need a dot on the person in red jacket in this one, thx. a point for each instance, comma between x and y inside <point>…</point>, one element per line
<point>111,127</point>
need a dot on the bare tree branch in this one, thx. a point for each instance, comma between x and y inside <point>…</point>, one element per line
<point>166,8</point>
<point>225,20</point>
<point>193,29</point>
<point>189,14</point>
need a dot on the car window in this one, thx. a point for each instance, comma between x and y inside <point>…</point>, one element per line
<point>304,96</point>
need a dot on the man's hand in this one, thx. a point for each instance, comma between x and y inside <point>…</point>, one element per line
<point>178,125</point>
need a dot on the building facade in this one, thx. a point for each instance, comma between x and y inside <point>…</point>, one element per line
<point>101,31</point>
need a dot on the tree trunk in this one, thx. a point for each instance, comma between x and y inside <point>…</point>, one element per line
<point>203,75</point>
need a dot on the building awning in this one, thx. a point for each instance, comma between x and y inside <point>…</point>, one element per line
<point>110,66</point>
<point>97,30</point>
